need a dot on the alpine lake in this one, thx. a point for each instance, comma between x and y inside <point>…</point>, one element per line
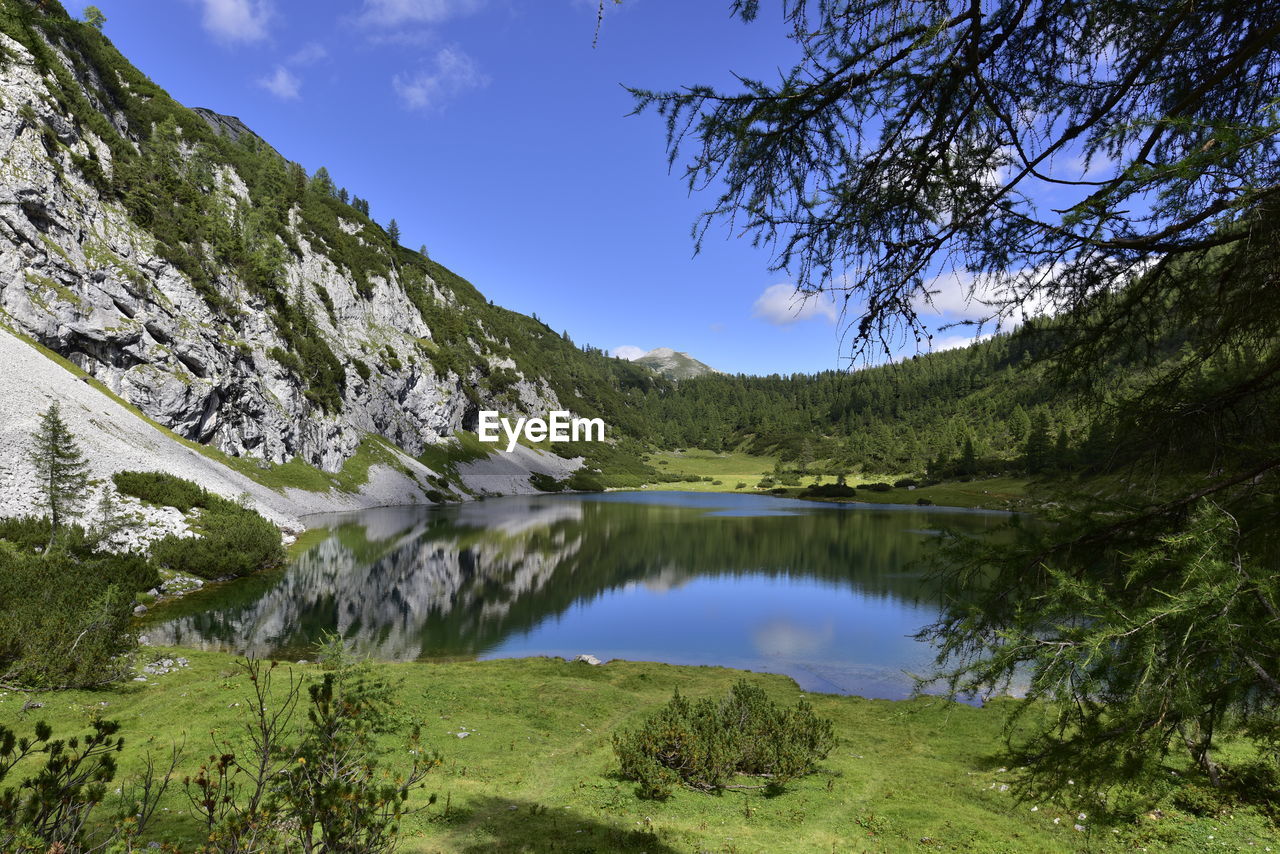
<point>829,594</point>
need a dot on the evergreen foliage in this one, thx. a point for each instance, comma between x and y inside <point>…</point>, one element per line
<point>65,612</point>
<point>62,473</point>
<point>49,810</point>
<point>316,787</point>
<point>706,743</point>
<point>233,540</point>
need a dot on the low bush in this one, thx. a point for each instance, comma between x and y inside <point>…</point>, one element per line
<point>33,534</point>
<point>829,490</point>
<point>707,743</point>
<point>66,620</point>
<point>232,541</point>
<point>876,487</point>
<point>545,483</point>
<point>162,490</point>
<point>48,811</point>
<point>583,480</point>
<point>905,483</point>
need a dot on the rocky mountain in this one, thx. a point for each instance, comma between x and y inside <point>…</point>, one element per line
<point>186,267</point>
<point>673,365</point>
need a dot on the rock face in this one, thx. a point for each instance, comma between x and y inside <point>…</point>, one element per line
<point>80,276</point>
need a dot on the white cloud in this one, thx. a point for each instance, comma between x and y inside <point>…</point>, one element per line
<point>308,54</point>
<point>237,20</point>
<point>453,72</point>
<point>629,352</point>
<point>1013,297</point>
<point>394,13</point>
<point>782,305</point>
<point>952,342</point>
<point>284,84</point>
<point>956,295</point>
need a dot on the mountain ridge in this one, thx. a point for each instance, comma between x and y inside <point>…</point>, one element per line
<point>674,364</point>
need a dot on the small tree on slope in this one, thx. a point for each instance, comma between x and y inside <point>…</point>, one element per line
<point>62,473</point>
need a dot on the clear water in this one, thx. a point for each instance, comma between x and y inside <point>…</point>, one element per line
<point>827,594</point>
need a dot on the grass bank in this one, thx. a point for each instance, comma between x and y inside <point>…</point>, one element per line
<point>724,471</point>
<point>535,771</point>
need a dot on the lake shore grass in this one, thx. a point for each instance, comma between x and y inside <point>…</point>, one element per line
<point>731,468</point>
<point>536,771</point>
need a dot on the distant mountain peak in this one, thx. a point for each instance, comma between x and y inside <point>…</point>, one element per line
<point>674,364</point>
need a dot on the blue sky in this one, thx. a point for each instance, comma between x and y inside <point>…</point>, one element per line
<point>499,137</point>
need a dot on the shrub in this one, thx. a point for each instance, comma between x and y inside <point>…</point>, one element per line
<point>905,483</point>
<point>162,490</point>
<point>66,621</point>
<point>705,744</point>
<point>545,483</point>
<point>829,490</point>
<point>876,487</point>
<point>583,480</point>
<point>234,541</point>
<point>48,811</point>
<point>33,533</point>
<point>924,502</point>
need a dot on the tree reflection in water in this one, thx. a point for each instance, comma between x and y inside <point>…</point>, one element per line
<point>826,593</point>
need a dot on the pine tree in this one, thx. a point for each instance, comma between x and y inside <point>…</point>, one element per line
<point>1062,450</point>
<point>93,17</point>
<point>393,231</point>
<point>1020,424</point>
<point>322,184</point>
<point>1039,447</point>
<point>62,473</point>
<point>968,458</point>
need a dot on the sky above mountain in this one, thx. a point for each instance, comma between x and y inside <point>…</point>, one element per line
<point>497,135</point>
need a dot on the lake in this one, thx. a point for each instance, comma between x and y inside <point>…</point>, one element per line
<point>827,594</point>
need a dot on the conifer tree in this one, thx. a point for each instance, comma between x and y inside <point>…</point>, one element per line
<point>93,17</point>
<point>1039,446</point>
<point>393,231</point>
<point>62,473</point>
<point>968,458</point>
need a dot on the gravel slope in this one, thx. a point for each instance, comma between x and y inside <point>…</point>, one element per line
<point>114,439</point>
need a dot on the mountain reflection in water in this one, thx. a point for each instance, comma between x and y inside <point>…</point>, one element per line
<point>826,594</point>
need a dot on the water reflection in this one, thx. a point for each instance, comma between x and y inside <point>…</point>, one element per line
<point>827,594</point>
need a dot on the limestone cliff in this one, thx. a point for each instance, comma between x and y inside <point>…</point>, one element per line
<point>180,261</point>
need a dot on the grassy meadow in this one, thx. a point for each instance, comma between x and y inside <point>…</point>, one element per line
<point>733,467</point>
<point>536,771</point>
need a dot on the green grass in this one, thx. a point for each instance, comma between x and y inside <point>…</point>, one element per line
<point>537,772</point>
<point>729,467</point>
<point>997,493</point>
<point>732,468</point>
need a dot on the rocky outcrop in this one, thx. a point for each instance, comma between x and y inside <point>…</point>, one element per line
<point>79,276</point>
